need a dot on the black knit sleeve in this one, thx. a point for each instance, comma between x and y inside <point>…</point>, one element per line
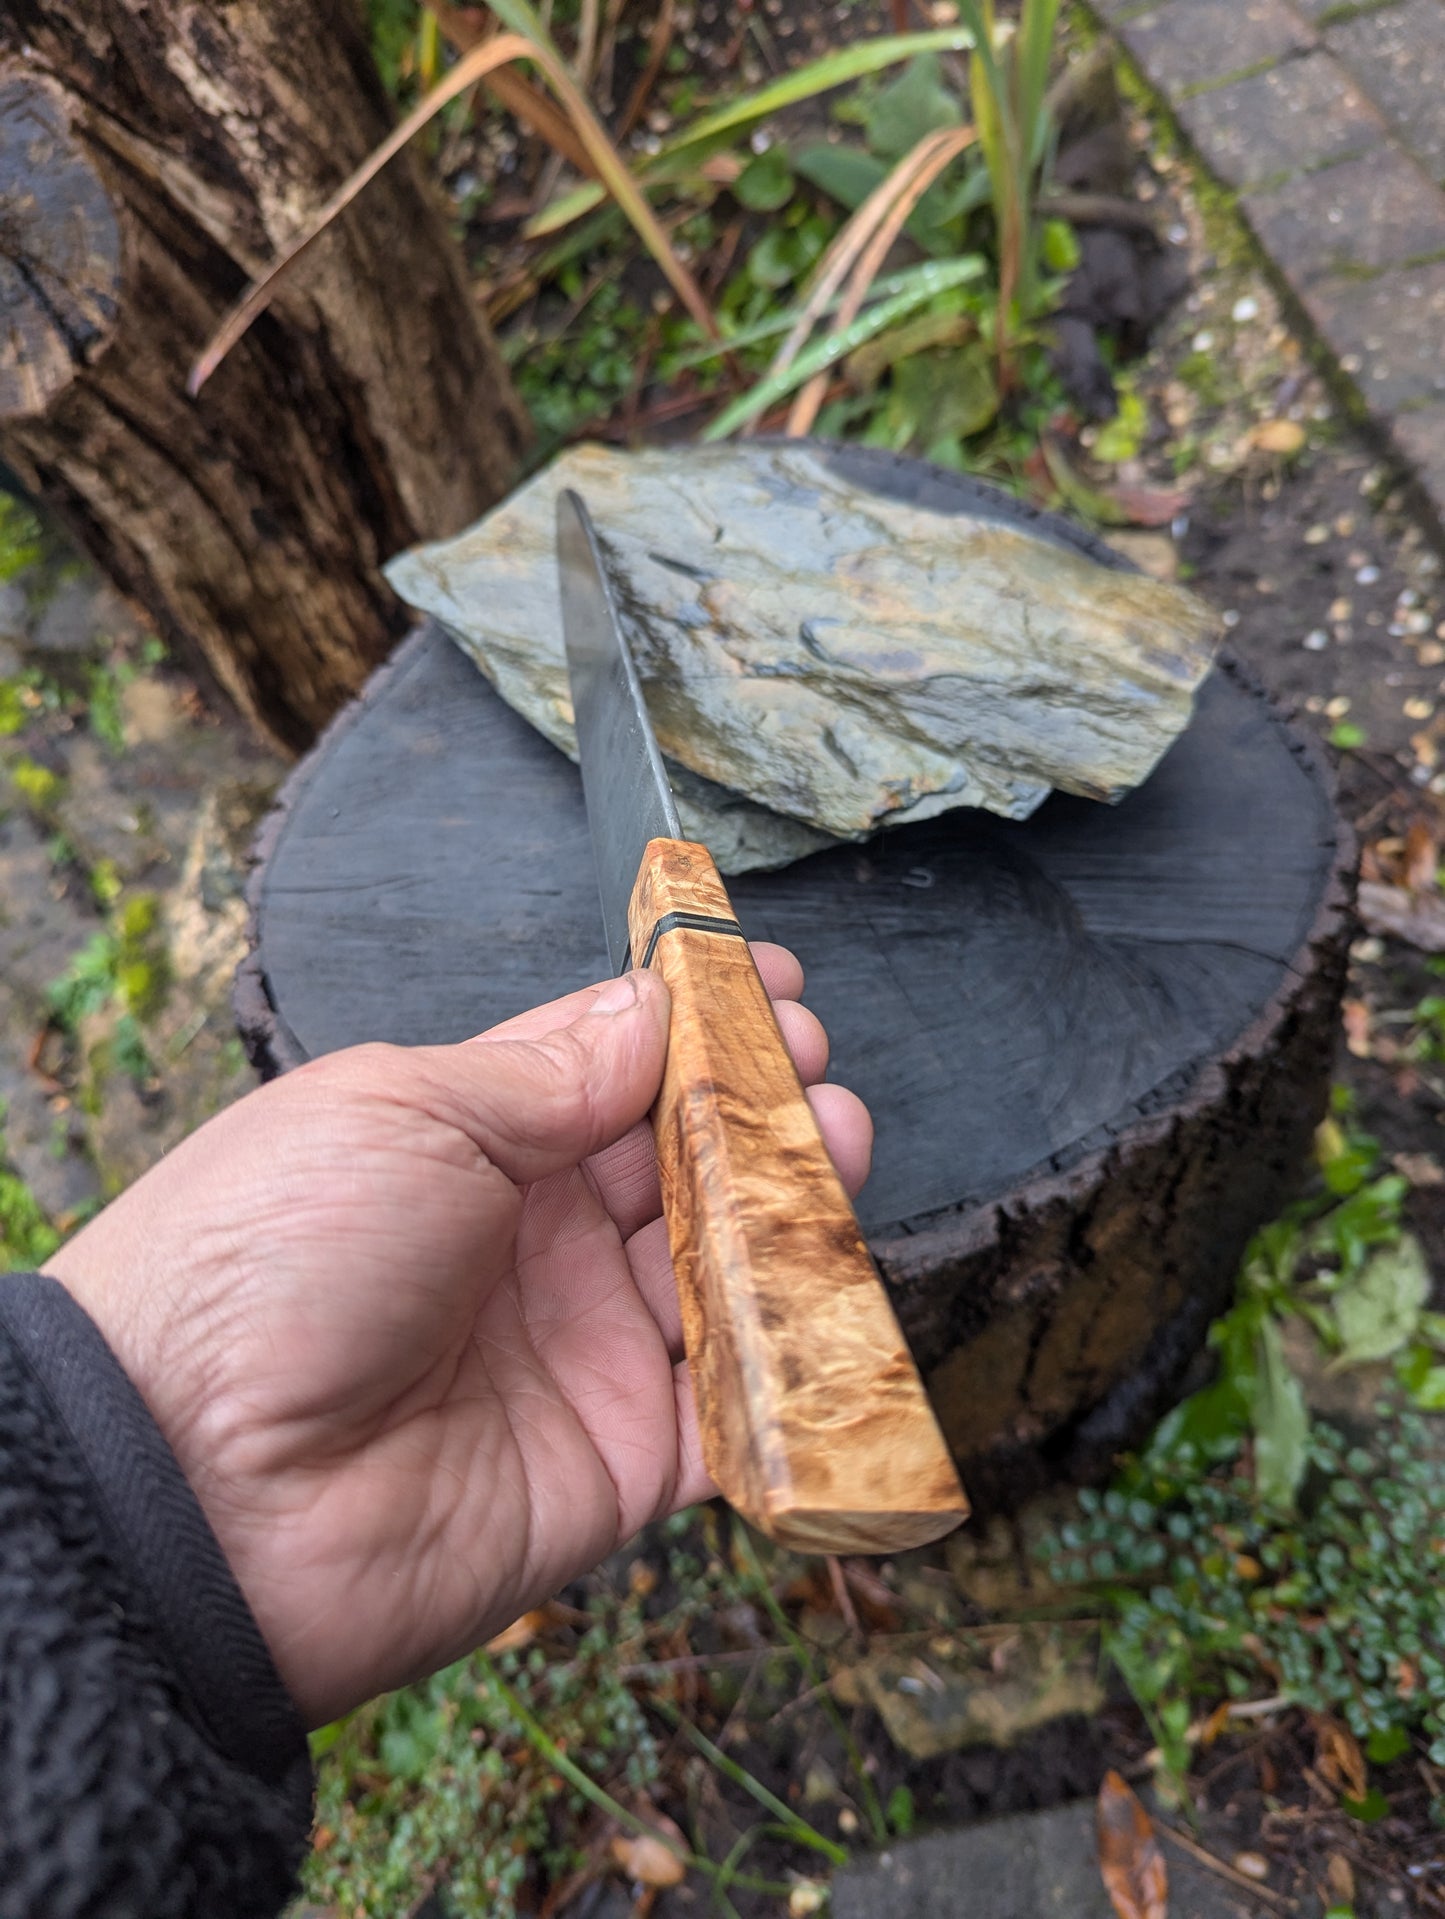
<point>152,1765</point>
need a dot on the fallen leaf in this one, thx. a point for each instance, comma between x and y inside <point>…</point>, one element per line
<point>520,1634</point>
<point>1419,1168</point>
<point>1422,858</point>
<point>1340,1878</point>
<point>1214,1726</point>
<point>1356,1016</point>
<point>1146,505</point>
<point>1130,1861</point>
<point>1253,1865</point>
<point>1397,914</point>
<point>805,1898</point>
<point>1278,436</point>
<point>647,1860</point>
<point>1341,1761</point>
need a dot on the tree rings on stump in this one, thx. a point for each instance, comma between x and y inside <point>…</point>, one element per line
<point>59,249</point>
<point>1095,1043</point>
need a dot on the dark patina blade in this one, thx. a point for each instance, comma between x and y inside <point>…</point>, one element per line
<point>629,800</point>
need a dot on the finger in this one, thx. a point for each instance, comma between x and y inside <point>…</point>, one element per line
<point>651,1262</point>
<point>847,1129</point>
<point>536,1106</point>
<point>804,1037</point>
<point>782,974</point>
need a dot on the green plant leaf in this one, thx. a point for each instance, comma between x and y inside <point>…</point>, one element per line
<point>1347,736</point>
<point>1120,438</point>
<point>1386,1743</point>
<point>1281,1423</point>
<point>765,183</point>
<point>1369,1810</point>
<point>845,174</point>
<point>1059,246</point>
<point>823,354</point>
<point>1379,1310</point>
<point>688,149</point>
<point>952,392</point>
<point>915,103</point>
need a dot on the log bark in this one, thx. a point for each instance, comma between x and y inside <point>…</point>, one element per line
<point>1095,1043</point>
<point>368,408</point>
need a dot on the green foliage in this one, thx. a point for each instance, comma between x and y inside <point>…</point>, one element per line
<point>22,538</point>
<point>1347,736</point>
<point>125,966</point>
<point>1252,1546</point>
<point>27,1238</point>
<point>36,784</point>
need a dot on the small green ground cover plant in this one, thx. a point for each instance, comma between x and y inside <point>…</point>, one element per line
<point>1255,1547</point>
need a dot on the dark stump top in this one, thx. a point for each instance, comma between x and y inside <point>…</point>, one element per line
<point>1005,996</point>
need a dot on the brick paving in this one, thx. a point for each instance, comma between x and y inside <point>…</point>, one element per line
<point>1327,118</point>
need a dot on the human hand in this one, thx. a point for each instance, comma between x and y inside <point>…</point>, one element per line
<point>408,1322</point>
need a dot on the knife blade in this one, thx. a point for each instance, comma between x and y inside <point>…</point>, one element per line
<point>815,1424</point>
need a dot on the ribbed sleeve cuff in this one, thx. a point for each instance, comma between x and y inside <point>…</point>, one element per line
<point>161,1540</point>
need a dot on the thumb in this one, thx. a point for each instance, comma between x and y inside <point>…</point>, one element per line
<point>538,1106</point>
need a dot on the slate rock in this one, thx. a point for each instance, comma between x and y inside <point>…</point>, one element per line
<point>838,659</point>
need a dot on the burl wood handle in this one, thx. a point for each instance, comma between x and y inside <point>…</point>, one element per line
<point>815,1424</point>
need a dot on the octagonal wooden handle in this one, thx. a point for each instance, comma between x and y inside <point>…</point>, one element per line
<point>815,1423</point>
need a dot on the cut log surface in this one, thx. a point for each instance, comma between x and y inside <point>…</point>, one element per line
<point>1094,1043</point>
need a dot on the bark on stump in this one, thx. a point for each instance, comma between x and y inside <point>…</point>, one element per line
<point>1095,1043</point>
<point>153,155</point>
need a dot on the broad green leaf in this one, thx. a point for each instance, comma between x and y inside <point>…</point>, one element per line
<point>683,153</point>
<point>1120,438</point>
<point>765,183</point>
<point>1059,246</point>
<point>1379,1310</point>
<point>914,104</point>
<point>820,355</point>
<point>845,174</point>
<point>952,392</point>
<point>868,365</point>
<point>1386,1743</point>
<point>1369,1810</point>
<point>1281,1423</point>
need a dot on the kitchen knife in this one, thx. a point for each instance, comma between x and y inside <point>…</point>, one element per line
<point>814,1421</point>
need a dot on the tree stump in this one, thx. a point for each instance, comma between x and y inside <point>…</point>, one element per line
<point>153,155</point>
<point>1095,1043</point>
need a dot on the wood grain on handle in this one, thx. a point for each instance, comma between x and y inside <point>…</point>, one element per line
<point>815,1424</point>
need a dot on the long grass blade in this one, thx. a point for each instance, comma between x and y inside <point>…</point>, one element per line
<point>798,1828</point>
<point>473,66</point>
<point>681,154</point>
<point>944,148</point>
<point>848,243</point>
<point>924,275</point>
<point>826,353</point>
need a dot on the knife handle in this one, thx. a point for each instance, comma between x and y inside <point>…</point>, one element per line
<point>815,1424</point>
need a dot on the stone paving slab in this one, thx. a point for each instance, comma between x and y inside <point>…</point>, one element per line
<point>1371,213</point>
<point>1301,115</point>
<point>1398,56</point>
<point>1329,120</point>
<point>1191,43</point>
<point>1388,333</point>
<point>1033,1865</point>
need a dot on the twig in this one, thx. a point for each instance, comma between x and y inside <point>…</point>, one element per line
<point>657,48</point>
<point>700,1661</point>
<point>842,1594</point>
<point>1270,1898</point>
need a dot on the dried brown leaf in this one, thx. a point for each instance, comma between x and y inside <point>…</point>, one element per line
<point>1422,858</point>
<point>1278,436</point>
<point>1147,505</point>
<point>520,1634</point>
<point>1340,1878</point>
<point>1356,1016</point>
<point>647,1860</point>
<point>1130,1860</point>
<point>1341,1761</point>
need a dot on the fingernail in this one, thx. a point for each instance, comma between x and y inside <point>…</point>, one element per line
<point>617,996</point>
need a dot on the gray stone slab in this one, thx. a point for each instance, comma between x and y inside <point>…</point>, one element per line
<point>1374,212</point>
<point>1420,436</point>
<point>1301,114</point>
<point>1388,332</point>
<point>1034,1865</point>
<point>1398,57</point>
<point>1194,43</point>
